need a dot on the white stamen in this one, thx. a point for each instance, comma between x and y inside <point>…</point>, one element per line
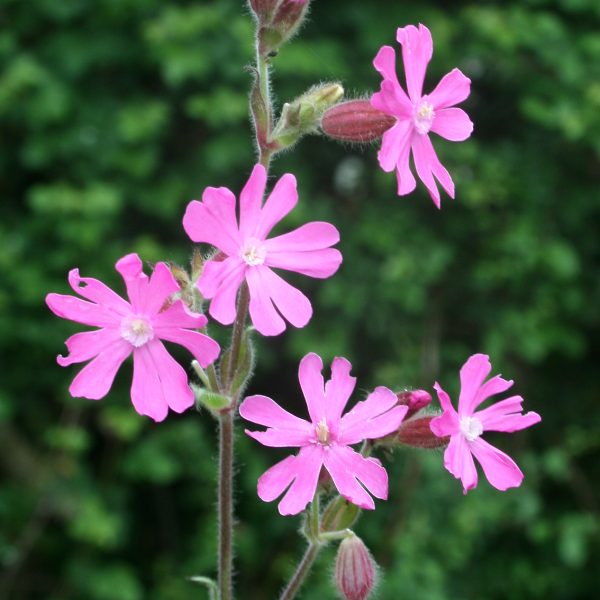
<point>322,432</point>
<point>471,428</point>
<point>253,252</point>
<point>423,116</point>
<point>136,330</point>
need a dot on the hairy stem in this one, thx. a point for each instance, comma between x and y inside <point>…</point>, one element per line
<point>236,337</point>
<point>295,583</point>
<point>310,555</point>
<point>225,505</point>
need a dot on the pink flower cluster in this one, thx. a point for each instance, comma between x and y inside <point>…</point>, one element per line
<point>417,114</point>
<point>135,327</point>
<point>466,426</point>
<point>251,257</point>
<point>325,440</point>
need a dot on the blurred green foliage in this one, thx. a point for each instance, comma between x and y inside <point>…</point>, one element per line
<point>115,113</point>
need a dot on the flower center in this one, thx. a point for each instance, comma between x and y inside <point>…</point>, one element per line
<point>136,330</point>
<point>423,116</point>
<point>322,432</point>
<point>471,428</point>
<point>253,252</point>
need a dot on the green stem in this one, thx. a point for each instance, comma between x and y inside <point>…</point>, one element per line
<point>225,505</point>
<point>236,337</point>
<point>293,587</point>
<point>310,555</point>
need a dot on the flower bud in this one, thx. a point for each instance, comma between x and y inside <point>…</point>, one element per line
<point>355,569</point>
<point>418,434</point>
<point>286,20</point>
<point>355,121</point>
<point>414,399</point>
<point>263,9</point>
<point>304,114</point>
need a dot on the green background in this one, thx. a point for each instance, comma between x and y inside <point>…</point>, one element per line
<point>115,113</point>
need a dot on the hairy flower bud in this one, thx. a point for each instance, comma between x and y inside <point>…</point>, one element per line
<point>285,21</point>
<point>355,121</point>
<point>418,434</point>
<point>263,9</point>
<point>414,399</point>
<point>303,115</point>
<point>355,569</point>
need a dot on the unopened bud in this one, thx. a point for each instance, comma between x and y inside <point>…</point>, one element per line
<point>263,9</point>
<point>355,121</point>
<point>355,569</point>
<point>304,114</point>
<point>418,434</point>
<point>414,399</point>
<point>181,276</point>
<point>285,21</point>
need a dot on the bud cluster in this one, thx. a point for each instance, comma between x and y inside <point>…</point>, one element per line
<point>278,21</point>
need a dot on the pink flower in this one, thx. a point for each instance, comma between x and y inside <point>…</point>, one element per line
<point>138,326</point>
<point>251,256</point>
<point>418,114</point>
<point>326,440</point>
<point>466,426</point>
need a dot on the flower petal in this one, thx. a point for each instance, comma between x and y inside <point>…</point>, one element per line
<point>493,386</point>
<point>280,202</point>
<point>447,423</point>
<point>131,270</point>
<point>178,315</point>
<point>221,281</point>
<point>262,312</point>
<point>338,389</point>
<point>319,264</point>
<point>458,460</point>
<point>275,480</point>
<point>453,88</point>
<point>341,467</point>
<point>428,165</point>
<point>213,221</point>
<point>507,415</point>
<point>452,124</point>
<point>290,301</point>
<point>161,287</point>
<point>159,382</point>
<point>368,471</point>
<point>86,345</point>
<point>302,491</point>
<point>500,469</point>
<point>96,378</point>
<point>203,347</point>
<point>373,418</point>
<point>395,145</point>
<point>264,411</point>
<point>310,374</point>
<point>82,311</point>
<point>472,375</point>
<point>280,438</point>
<point>417,49</point>
<point>96,291</point>
<point>251,198</point>
<point>315,235</point>
<point>391,98</point>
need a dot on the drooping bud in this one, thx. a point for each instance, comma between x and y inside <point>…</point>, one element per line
<point>304,114</point>
<point>355,569</point>
<point>355,121</point>
<point>417,433</point>
<point>414,399</point>
<point>286,19</point>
